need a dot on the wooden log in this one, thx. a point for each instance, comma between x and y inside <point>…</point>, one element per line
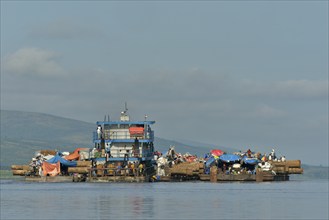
<point>20,167</point>
<point>189,172</point>
<point>81,170</point>
<point>279,169</point>
<point>294,163</point>
<point>278,164</point>
<point>20,172</point>
<point>289,163</point>
<point>182,167</point>
<point>295,170</point>
<point>84,163</point>
<point>181,172</point>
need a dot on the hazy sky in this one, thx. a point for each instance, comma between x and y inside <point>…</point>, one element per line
<point>242,74</point>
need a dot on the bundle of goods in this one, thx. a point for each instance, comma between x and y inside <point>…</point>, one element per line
<point>187,168</point>
<point>81,168</point>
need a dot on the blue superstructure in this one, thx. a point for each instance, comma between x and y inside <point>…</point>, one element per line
<point>124,140</point>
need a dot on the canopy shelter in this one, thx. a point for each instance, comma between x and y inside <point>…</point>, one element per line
<point>250,161</point>
<point>51,169</point>
<point>229,158</point>
<point>67,163</point>
<point>217,152</point>
<point>75,155</point>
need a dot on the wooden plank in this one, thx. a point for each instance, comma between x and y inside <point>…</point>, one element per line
<point>20,167</point>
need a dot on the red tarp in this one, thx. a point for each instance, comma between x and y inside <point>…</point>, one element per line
<point>75,155</point>
<point>136,130</point>
<point>216,152</point>
<point>52,169</point>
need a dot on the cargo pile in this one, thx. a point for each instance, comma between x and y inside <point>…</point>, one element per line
<point>81,168</point>
<point>171,165</point>
<point>175,164</point>
<point>53,163</point>
<point>187,168</point>
<point>289,166</point>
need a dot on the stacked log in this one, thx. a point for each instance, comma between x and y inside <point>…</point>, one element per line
<point>293,170</point>
<point>201,168</point>
<point>287,167</point>
<point>81,168</point>
<point>47,152</point>
<point>279,169</point>
<point>187,168</point>
<point>289,163</point>
<point>20,170</point>
<point>86,163</point>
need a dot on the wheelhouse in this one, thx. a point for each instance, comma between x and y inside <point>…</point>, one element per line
<point>125,140</point>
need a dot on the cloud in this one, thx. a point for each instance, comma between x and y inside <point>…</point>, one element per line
<point>302,88</point>
<point>65,28</point>
<point>269,112</point>
<point>289,89</point>
<point>31,61</point>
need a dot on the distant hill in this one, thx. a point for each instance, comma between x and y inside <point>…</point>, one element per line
<point>44,127</point>
<point>23,133</point>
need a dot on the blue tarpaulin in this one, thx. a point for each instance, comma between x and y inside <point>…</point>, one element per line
<point>229,158</point>
<point>210,161</point>
<point>251,161</point>
<point>57,158</point>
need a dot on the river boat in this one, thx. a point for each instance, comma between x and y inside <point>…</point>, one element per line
<point>123,151</point>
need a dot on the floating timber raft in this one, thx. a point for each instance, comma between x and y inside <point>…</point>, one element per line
<point>195,171</point>
<point>179,172</point>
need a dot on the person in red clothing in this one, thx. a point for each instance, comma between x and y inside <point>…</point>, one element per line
<point>249,153</point>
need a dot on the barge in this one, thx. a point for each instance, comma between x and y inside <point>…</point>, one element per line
<point>123,151</point>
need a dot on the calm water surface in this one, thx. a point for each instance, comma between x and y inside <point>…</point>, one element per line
<point>186,200</point>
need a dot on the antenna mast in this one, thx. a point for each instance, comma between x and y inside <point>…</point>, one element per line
<point>126,109</point>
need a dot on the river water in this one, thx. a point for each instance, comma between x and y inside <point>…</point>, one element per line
<point>180,200</point>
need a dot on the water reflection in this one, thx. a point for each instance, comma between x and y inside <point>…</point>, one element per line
<point>164,201</point>
<point>127,206</point>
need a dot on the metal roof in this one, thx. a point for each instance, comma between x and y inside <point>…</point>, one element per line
<point>124,122</point>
